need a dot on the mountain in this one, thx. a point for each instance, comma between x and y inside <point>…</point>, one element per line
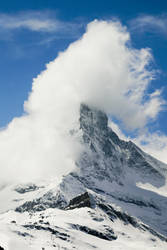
<point>116,198</point>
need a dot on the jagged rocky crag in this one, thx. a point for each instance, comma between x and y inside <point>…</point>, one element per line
<point>100,202</point>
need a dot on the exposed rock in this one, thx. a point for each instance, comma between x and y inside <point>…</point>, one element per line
<point>23,234</point>
<point>108,235</point>
<point>127,219</point>
<point>60,235</point>
<point>48,200</point>
<point>110,156</point>
<point>26,188</point>
<point>82,200</point>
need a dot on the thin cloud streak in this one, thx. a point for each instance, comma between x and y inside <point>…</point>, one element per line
<point>155,24</point>
<point>38,21</point>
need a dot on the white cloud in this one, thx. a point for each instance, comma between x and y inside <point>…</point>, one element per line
<point>38,21</point>
<point>99,69</point>
<point>151,23</point>
<point>154,144</point>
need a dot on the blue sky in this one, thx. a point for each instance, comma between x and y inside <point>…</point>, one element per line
<point>33,32</point>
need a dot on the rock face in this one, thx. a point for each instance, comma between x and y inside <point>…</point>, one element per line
<point>108,235</point>
<point>110,157</point>
<point>26,188</point>
<point>101,198</point>
<point>48,200</point>
<point>82,200</point>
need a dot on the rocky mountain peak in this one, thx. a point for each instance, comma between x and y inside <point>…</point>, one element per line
<point>91,119</point>
<point>96,133</point>
<point>110,157</point>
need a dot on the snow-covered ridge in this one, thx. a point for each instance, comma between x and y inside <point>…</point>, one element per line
<point>99,205</point>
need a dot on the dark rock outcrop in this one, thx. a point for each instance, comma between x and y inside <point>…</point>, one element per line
<point>114,214</point>
<point>108,235</point>
<point>27,188</point>
<point>82,200</point>
<point>58,234</point>
<point>48,200</point>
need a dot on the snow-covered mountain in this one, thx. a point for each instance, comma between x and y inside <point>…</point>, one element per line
<point>116,198</point>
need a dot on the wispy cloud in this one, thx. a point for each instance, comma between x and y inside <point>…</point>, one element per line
<point>153,143</point>
<point>150,23</point>
<point>38,21</point>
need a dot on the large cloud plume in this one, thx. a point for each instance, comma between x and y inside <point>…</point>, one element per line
<point>102,70</point>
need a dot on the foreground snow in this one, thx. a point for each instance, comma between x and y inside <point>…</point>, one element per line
<point>61,229</point>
